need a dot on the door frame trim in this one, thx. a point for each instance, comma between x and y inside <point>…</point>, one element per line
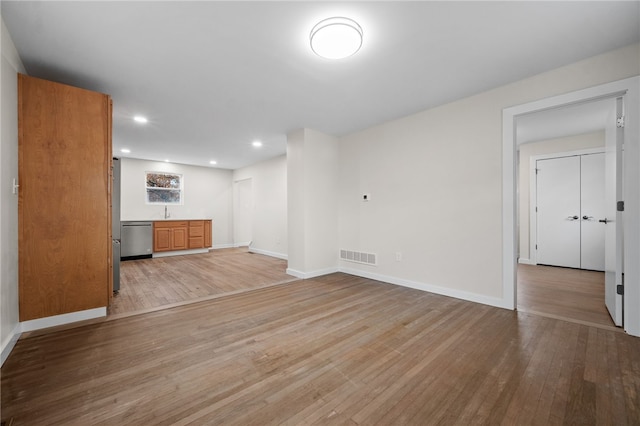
<point>533,192</point>
<point>628,88</point>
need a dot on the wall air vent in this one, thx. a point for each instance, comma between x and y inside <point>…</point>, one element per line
<point>358,257</point>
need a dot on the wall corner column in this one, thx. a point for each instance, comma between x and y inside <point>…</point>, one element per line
<point>312,203</point>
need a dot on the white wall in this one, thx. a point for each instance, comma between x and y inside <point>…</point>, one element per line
<point>321,192</point>
<point>312,189</point>
<point>207,195</point>
<point>11,65</point>
<point>528,150</point>
<point>435,180</point>
<point>269,218</point>
<point>243,209</point>
<point>295,201</point>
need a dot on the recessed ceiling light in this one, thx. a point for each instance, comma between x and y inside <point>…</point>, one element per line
<point>125,150</point>
<point>336,38</point>
<point>257,144</point>
<point>213,162</point>
<point>166,161</point>
<point>140,119</point>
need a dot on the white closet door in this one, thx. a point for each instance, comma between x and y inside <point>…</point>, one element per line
<point>558,215</point>
<point>592,194</point>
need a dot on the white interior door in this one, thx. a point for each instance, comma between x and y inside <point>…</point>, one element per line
<point>558,211</point>
<point>613,224</point>
<point>592,210</point>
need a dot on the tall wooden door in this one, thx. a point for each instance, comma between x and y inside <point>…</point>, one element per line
<point>64,157</point>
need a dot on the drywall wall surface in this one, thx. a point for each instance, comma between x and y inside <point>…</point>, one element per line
<point>435,180</point>
<point>207,195</point>
<point>528,150</point>
<point>11,65</point>
<point>269,183</point>
<point>296,201</point>
<point>312,169</point>
<point>321,192</point>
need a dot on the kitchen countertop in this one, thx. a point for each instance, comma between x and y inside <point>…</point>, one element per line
<point>171,218</point>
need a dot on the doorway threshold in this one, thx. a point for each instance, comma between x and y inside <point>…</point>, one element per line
<point>572,320</point>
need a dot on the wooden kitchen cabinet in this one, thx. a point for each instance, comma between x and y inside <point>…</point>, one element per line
<point>64,224</point>
<point>207,234</point>
<point>172,235</point>
<point>180,238</point>
<point>161,239</point>
<point>196,234</point>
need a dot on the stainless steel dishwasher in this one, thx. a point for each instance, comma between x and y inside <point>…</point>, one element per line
<point>137,240</point>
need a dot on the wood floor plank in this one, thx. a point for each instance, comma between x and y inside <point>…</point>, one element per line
<point>571,294</point>
<point>151,283</point>
<point>335,349</point>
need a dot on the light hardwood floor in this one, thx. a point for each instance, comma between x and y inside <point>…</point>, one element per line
<point>149,284</point>
<point>571,294</point>
<point>332,350</point>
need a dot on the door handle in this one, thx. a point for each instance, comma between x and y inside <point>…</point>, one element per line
<point>585,217</point>
<point>605,221</point>
<point>573,217</point>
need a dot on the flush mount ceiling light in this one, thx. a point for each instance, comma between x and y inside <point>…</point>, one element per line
<point>125,150</point>
<point>140,119</point>
<point>257,144</point>
<point>336,38</point>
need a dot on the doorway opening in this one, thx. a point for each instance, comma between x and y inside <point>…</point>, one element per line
<point>622,91</point>
<point>561,219</point>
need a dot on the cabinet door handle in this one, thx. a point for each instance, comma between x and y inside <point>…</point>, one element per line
<point>573,217</point>
<point>605,221</point>
<point>585,217</point>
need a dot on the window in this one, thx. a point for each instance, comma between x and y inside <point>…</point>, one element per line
<point>163,188</point>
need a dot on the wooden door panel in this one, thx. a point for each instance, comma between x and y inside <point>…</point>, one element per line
<point>161,239</point>
<point>207,233</point>
<point>63,201</point>
<point>179,238</point>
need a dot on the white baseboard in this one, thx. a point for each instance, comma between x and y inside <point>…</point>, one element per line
<point>7,346</point>
<point>180,252</point>
<point>526,261</point>
<point>312,274</point>
<point>56,320</point>
<point>242,244</point>
<point>268,253</point>
<point>222,246</point>
<point>458,294</point>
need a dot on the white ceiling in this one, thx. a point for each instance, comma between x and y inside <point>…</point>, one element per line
<point>214,76</point>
